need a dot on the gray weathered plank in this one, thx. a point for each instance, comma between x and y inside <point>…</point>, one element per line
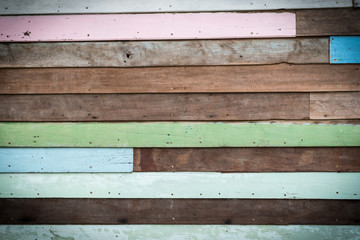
<point>164,53</point>
<point>341,105</point>
<point>17,7</point>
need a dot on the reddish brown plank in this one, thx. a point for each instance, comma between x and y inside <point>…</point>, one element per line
<point>180,211</point>
<point>247,159</point>
<point>261,78</point>
<point>140,107</point>
<point>341,105</point>
<point>328,22</point>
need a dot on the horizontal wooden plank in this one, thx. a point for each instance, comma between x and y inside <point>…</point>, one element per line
<point>179,211</point>
<point>178,232</point>
<point>18,7</point>
<point>180,134</point>
<point>335,105</point>
<point>356,3</point>
<point>319,185</point>
<point>155,107</point>
<point>66,160</point>
<point>100,27</point>
<point>258,78</point>
<point>327,22</point>
<point>164,53</point>
<point>345,49</point>
<point>247,159</point>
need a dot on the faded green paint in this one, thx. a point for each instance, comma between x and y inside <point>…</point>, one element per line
<point>177,134</point>
<point>314,185</point>
<point>179,232</point>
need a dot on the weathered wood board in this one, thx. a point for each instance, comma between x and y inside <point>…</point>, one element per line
<point>181,134</point>
<point>247,159</point>
<point>179,211</point>
<point>345,49</point>
<point>335,105</point>
<point>66,160</point>
<point>155,107</point>
<point>98,27</point>
<point>259,78</point>
<point>19,7</point>
<point>164,53</point>
<point>318,185</point>
<point>180,232</point>
<point>328,22</point>
<point>356,3</point>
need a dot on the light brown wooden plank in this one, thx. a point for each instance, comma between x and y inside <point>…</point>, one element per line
<point>179,211</point>
<point>260,78</point>
<point>335,105</point>
<point>142,107</point>
<point>247,159</point>
<point>164,53</point>
<point>328,22</point>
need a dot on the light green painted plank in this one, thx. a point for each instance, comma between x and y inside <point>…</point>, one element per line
<point>315,185</point>
<point>177,134</point>
<point>178,232</point>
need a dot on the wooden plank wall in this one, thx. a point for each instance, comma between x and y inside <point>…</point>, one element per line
<point>179,119</point>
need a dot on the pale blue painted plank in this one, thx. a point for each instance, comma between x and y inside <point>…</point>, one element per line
<point>179,232</point>
<point>345,49</point>
<point>299,185</point>
<point>66,160</point>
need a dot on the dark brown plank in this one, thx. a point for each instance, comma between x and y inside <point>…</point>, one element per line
<point>179,211</point>
<point>138,107</point>
<point>328,22</point>
<point>261,78</point>
<point>341,105</point>
<point>247,159</point>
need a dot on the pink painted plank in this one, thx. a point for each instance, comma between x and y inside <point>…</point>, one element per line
<point>146,26</point>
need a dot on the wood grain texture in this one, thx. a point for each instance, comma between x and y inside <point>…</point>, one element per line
<point>180,232</point>
<point>180,211</point>
<point>247,159</point>
<point>181,134</point>
<point>154,107</point>
<point>164,53</point>
<point>318,185</point>
<point>345,49</point>
<point>328,22</point>
<point>335,105</point>
<point>98,27</point>
<point>262,78</point>
<point>66,160</point>
<point>19,7</point>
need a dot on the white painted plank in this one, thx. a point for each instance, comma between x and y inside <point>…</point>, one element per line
<point>66,160</point>
<point>18,7</point>
<point>178,232</point>
<point>316,185</point>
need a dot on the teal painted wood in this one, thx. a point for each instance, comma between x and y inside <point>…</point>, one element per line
<point>66,160</point>
<point>315,185</point>
<point>345,49</point>
<point>178,134</point>
<point>179,232</point>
